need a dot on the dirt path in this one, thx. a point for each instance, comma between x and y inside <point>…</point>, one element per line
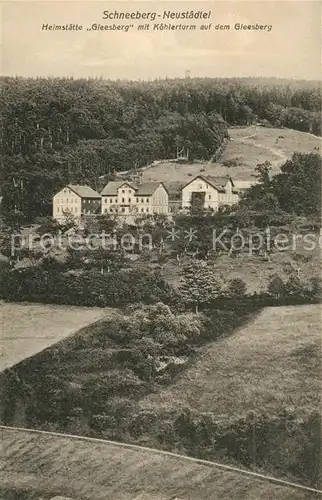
<point>246,140</point>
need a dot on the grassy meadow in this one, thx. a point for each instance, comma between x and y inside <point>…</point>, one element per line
<point>106,382</point>
<point>273,362</point>
<point>248,146</point>
<point>27,329</point>
<point>100,471</point>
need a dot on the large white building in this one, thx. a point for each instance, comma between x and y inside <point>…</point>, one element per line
<point>77,201</point>
<point>209,193</point>
<point>128,199</point>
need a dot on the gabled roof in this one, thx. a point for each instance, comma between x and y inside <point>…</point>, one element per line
<point>83,191</point>
<point>218,183</point>
<point>219,180</point>
<point>174,189</point>
<point>144,189</point>
<point>148,188</point>
<point>112,187</point>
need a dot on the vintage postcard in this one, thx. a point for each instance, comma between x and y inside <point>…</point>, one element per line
<point>160,250</point>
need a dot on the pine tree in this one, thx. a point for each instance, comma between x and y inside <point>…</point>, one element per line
<point>276,286</point>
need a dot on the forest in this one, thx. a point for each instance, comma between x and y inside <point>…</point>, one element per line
<point>55,131</point>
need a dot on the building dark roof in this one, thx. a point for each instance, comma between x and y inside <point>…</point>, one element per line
<point>218,183</point>
<point>112,187</point>
<point>83,191</point>
<point>144,189</point>
<point>174,189</point>
<point>147,188</point>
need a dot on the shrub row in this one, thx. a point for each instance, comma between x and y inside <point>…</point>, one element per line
<point>133,286</point>
<point>118,288</point>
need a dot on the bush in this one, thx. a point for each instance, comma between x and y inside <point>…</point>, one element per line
<point>294,287</point>
<point>98,390</point>
<point>118,288</point>
<point>233,162</point>
<point>315,288</point>
<point>237,288</point>
<point>101,422</point>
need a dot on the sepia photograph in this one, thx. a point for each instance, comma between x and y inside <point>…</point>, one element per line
<point>160,250</point>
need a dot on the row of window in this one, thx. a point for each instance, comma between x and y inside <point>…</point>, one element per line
<point>209,196</point>
<point>63,201</point>
<point>147,200</point>
<point>116,210</point>
<point>71,200</point>
<point>70,209</point>
<point>73,210</point>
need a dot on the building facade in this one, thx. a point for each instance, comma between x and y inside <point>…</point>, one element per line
<point>209,193</point>
<point>76,201</point>
<point>126,199</point>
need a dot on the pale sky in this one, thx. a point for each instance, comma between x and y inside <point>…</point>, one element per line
<point>290,50</point>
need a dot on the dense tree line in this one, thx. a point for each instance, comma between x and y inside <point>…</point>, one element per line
<point>296,190</point>
<point>54,131</point>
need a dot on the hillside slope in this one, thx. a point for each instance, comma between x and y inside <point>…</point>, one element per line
<point>26,329</point>
<point>248,147</point>
<point>95,470</point>
<point>271,363</point>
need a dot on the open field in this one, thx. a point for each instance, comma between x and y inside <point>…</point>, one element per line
<point>249,146</point>
<point>281,140</point>
<point>272,363</point>
<point>94,470</point>
<point>27,329</point>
